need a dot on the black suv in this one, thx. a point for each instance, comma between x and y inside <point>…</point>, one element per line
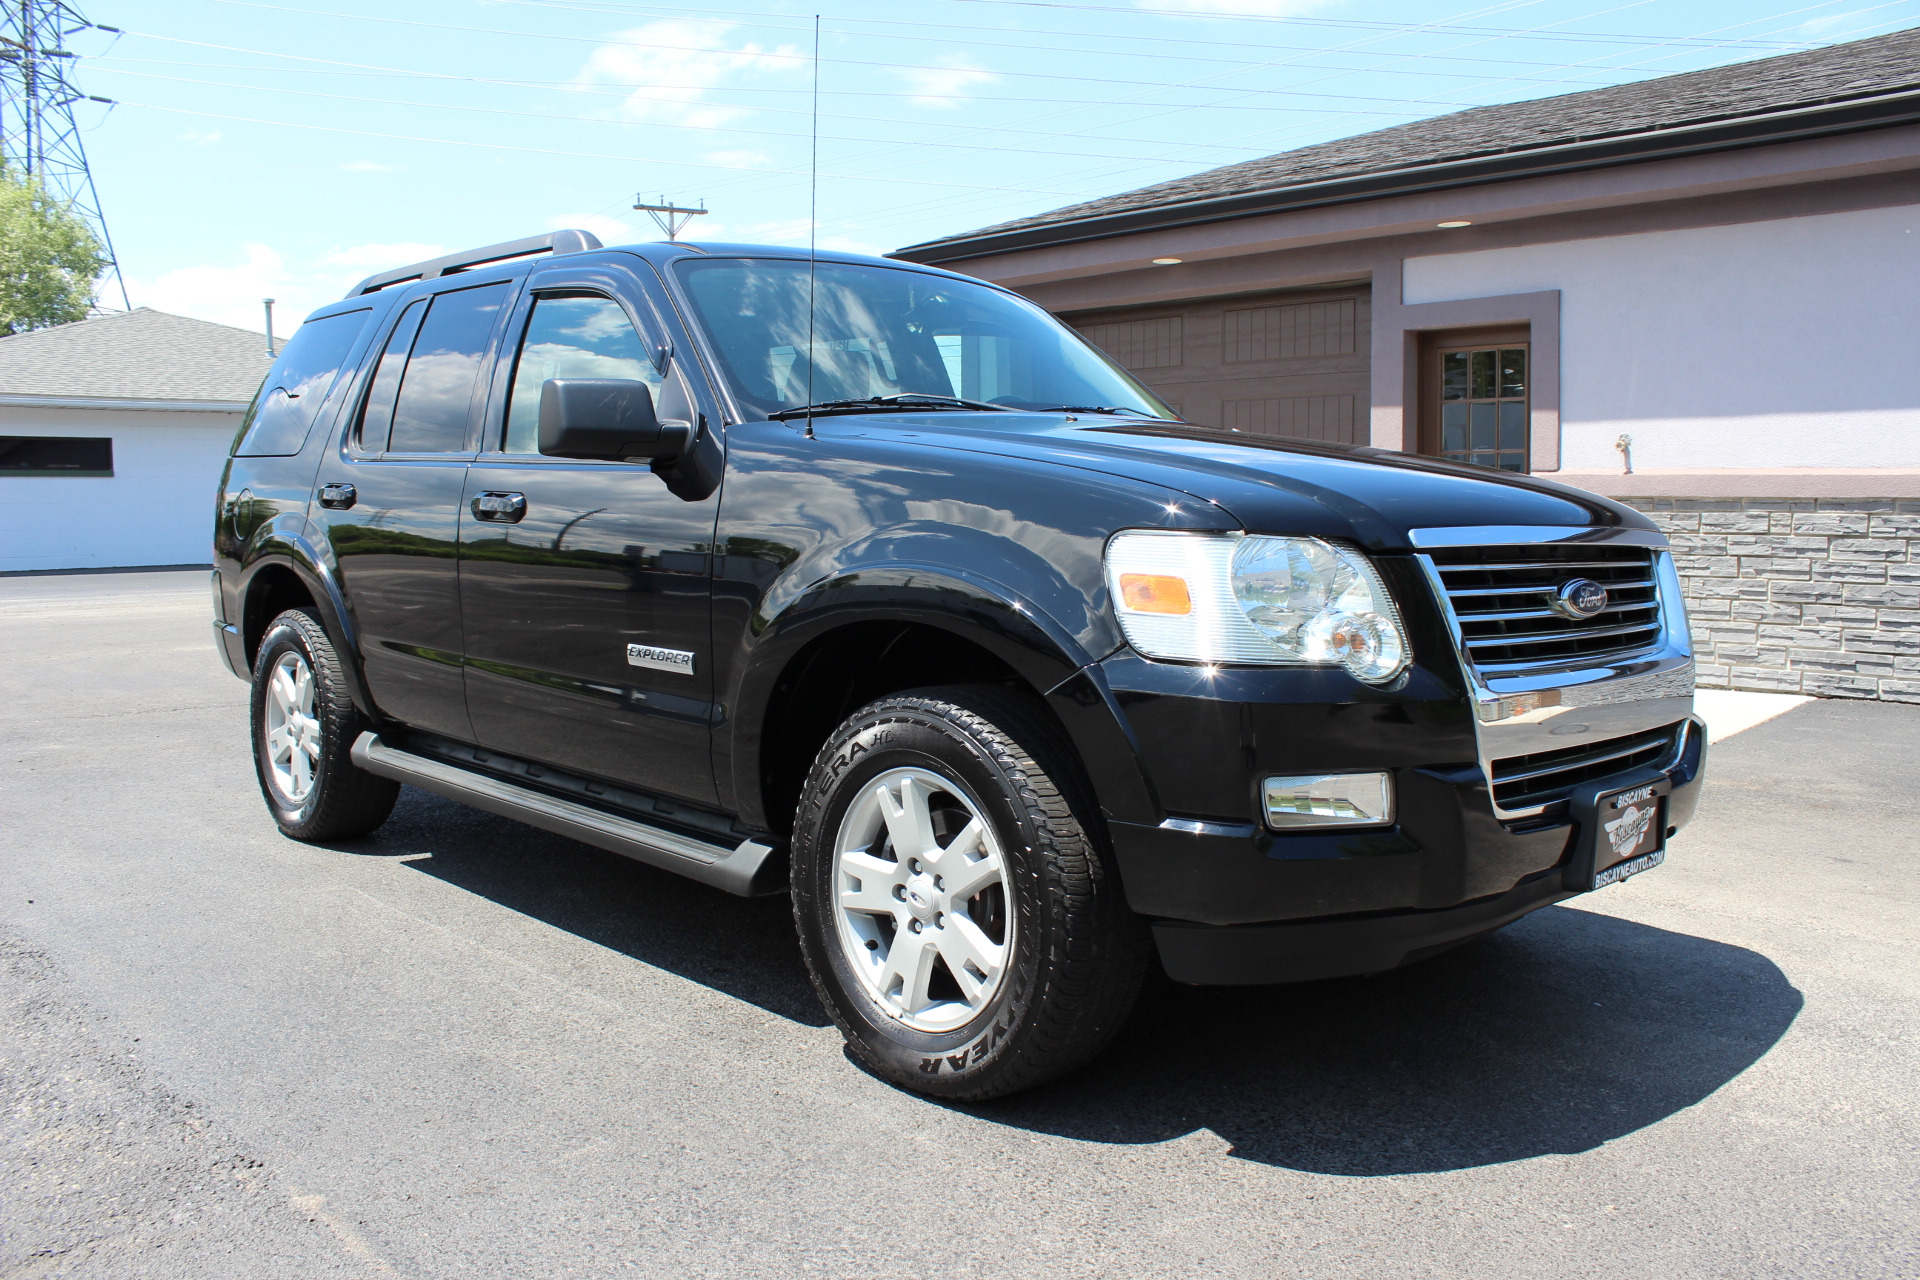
<point>875,584</point>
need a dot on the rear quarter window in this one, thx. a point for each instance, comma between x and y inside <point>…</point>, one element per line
<point>281,415</point>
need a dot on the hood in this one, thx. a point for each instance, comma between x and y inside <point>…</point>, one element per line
<point>1266,484</point>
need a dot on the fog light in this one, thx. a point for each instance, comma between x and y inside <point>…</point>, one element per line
<point>1330,800</point>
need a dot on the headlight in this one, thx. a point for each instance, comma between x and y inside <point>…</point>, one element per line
<point>1217,597</point>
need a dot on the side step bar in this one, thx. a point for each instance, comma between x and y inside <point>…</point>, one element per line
<point>748,870</point>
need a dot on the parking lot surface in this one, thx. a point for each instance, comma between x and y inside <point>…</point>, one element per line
<point>465,1048</point>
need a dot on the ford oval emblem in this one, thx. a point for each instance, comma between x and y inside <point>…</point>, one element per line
<point>1582,598</point>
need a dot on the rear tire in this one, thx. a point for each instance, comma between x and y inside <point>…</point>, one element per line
<point>957,916</point>
<point>304,726</point>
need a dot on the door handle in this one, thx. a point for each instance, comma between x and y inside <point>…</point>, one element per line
<point>499,508</point>
<point>338,496</point>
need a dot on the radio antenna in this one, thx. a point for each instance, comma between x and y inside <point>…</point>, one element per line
<point>813,211</point>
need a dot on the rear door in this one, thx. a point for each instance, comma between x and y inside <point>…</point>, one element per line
<point>388,501</point>
<point>585,587</point>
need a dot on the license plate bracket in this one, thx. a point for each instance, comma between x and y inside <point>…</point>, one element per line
<point>1623,831</point>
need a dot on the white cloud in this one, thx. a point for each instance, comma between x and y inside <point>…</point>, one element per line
<point>610,230</point>
<point>379,257</point>
<point>672,64</point>
<point>368,166</point>
<point>1251,8</point>
<point>230,292</point>
<point>193,137</point>
<point>740,159</point>
<point>942,86</point>
<point>791,231</point>
<point>1824,27</point>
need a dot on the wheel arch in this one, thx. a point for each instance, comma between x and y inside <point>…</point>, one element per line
<point>863,635</point>
<point>285,574</point>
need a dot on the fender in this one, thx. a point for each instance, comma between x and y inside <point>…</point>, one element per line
<point>292,550</point>
<point>1052,663</point>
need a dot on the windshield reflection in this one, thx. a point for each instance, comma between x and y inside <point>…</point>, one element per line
<point>879,332</point>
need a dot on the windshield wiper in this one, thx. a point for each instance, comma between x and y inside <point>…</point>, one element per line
<point>1097,408</point>
<point>905,400</point>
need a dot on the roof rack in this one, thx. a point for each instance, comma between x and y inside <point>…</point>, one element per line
<point>558,242</point>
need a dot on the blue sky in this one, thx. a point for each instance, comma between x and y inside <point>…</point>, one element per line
<point>288,149</point>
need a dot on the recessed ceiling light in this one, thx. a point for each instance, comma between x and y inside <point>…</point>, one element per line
<point>1166,262</point>
<point>1457,222</point>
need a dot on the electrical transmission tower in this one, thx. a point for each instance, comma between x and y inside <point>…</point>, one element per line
<point>38,136</point>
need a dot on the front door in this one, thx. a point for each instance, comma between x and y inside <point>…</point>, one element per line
<point>389,504</point>
<point>585,588</point>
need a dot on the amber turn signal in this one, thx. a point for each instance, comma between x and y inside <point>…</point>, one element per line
<point>1154,593</point>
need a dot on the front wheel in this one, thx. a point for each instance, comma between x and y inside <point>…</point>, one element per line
<point>959,921</point>
<point>304,724</point>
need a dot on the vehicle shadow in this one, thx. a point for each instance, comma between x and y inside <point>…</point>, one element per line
<point>744,947</point>
<point>1562,1032</point>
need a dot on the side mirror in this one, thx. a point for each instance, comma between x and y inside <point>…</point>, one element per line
<point>609,419</point>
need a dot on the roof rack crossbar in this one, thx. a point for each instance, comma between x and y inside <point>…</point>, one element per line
<point>557,242</point>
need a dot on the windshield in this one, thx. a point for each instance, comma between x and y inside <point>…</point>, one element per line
<point>884,332</point>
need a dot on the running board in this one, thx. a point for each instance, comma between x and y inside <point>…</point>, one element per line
<point>748,870</point>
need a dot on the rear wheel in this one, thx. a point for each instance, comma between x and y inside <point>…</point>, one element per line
<point>959,921</point>
<point>304,724</point>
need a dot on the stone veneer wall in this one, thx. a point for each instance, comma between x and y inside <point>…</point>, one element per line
<point>1800,595</point>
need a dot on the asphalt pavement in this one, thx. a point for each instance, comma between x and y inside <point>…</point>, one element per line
<point>465,1048</point>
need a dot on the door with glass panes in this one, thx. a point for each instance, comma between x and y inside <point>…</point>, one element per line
<point>1474,400</point>
<point>389,499</point>
<point>570,568</point>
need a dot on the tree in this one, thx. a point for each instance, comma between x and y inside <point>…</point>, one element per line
<point>49,258</point>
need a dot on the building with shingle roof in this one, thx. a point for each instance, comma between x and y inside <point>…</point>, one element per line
<point>139,355</point>
<point>1698,293</point>
<point>113,433</point>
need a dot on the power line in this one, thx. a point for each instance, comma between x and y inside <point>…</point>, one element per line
<point>606,42</point>
<point>1158,41</point>
<point>1438,28</point>
<point>572,86</point>
<point>1688,44</point>
<point>583,155</point>
<point>657,124</point>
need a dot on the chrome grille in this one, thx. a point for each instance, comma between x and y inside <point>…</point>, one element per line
<point>1501,597</point>
<point>1549,777</point>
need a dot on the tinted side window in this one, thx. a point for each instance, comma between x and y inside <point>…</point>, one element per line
<point>296,387</point>
<point>579,336</point>
<point>376,414</point>
<point>430,415</point>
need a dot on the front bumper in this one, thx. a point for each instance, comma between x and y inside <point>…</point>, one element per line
<point>1302,951</point>
<point>1491,773</point>
<point>1242,905</point>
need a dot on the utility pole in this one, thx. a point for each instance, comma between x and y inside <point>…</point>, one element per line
<point>670,218</point>
<point>38,136</point>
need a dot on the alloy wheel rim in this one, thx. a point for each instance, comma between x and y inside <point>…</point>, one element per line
<point>293,730</point>
<point>923,900</point>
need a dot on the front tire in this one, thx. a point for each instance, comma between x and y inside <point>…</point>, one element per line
<point>956,914</point>
<point>304,725</point>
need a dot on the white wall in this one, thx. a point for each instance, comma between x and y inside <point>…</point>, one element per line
<point>1791,343</point>
<point>156,508</point>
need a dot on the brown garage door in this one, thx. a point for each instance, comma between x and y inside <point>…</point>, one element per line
<point>1278,364</point>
